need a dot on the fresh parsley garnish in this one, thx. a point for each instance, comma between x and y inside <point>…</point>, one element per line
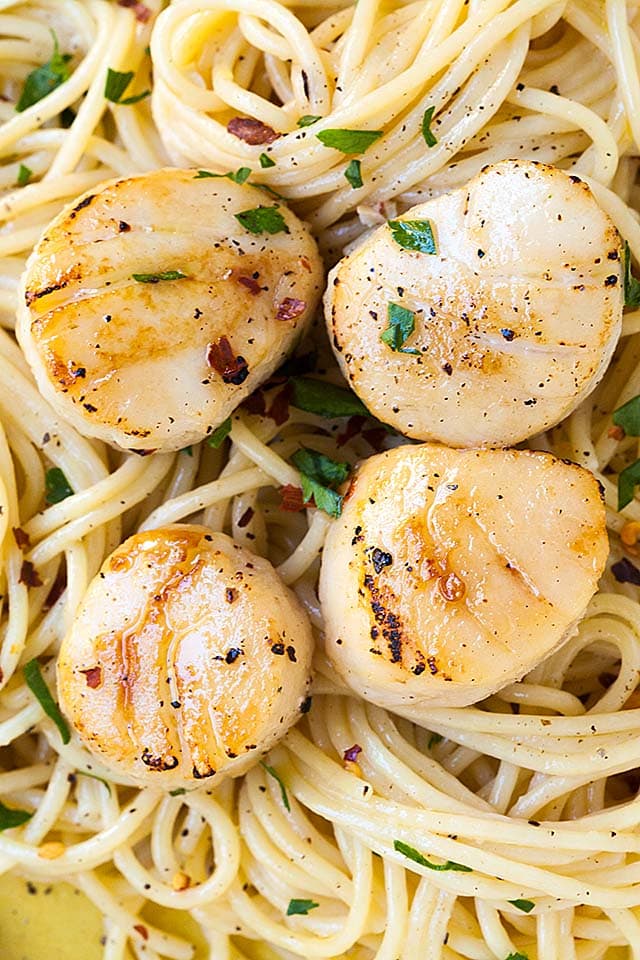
<point>413,235</point>
<point>266,161</point>
<point>628,480</point>
<point>57,486</point>
<point>628,417</point>
<point>38,686</point>
<point>262,220</point>
<point>10,817</point>
<point>178,792</point>
<point>401,324</point>
<point>525,905</point>
<point>318,474</point>
<point>301,907</point>
<point>24,175</point>
<point>157,277</point>
<point>517,956</point>
<point>241,175</point>
<point>308,119</point>
<point>427,133</point>
<point>413,854</point>
<point>45,79</point>
<point>325,399</point>
<point>115,86</point>
<point>276,776</point>
<point>631,285</point>
<point>349,141</point>
<point>219,435</point>
<point>353,174</point>
<point>434,740</point>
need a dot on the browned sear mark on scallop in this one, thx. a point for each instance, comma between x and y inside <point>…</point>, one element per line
<point>390,623</point>
<point>231,367</point>
<point>159,763</point>
<point>252,131</point>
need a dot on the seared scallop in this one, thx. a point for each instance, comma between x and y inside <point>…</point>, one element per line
<point>187,660</point>
<point>451,573</point>
<point>153,305</point>
<point>486,315</point>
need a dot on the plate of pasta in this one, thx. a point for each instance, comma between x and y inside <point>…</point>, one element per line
<point>319,479</point>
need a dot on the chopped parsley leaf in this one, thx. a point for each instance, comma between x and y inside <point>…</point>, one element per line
<point>219,435</point>
<point>24,175</point>
<point>178,792</point>
<point>631,285</point>
<point>10,817</point>
<point>241,175</point>
<point>401,324</point>
<point>266,161</point>
<point>413,235</point>
<point>318,474</point>
<point>517,956</point>
<point>307,120</point>
<point>45,79</point>
<point>353,174</point>
<point>276,776</point>
<point>427,133</point>
<point>349,141</point>
<point>262,220</point>
<point>157,277</point>
<point>300,907</point>
<point>325,399</point>
<point>412,854</point>
<point>525,905</point>
<point>38,686</point>
<point>57,486</point>
<point>628,417</point>
<point>116,84</point>
<point>628,480</point>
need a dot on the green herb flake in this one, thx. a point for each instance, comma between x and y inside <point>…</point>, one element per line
<point>517,956</point>
<point>628,417</point>
<point>325,399</point>
<point>413,854</point>
<point>427,133</point>
<point>116,84</point>
<point>300,907</point>
<point>38,686</point>
<point>276,776</point>
<point>631,285</point>
<point>308,119</point>
<point>262,220</point>
<point>93,776</point>
<point>413,235</point>
<point>318,474</point>
<point>525,905</point>
<point>24,175</point>
<point>241,175</point>
<point>10,817</point>
<point>628,479</point>
<point>45,79</point>
<point>266,161</point>
<point>188,450</point>
<point>401,324</point>
<point>178,792</point>
<point>57,486</point>
<point>157,277</point>
<point>434,740</point>
<point>349,141</point>
<point>353,174</point>
<point>219,435</point>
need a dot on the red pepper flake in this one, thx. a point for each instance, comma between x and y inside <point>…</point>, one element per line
<point>142,930</point>
<point>250,283</point>
<point>252,131</point>
<point>57,589</point>
<point>220,356</point>
<point>352,429</point>
<point>375,437</point>
<point>279,409</point>
<point>141,12</point>
<point>28,575</point>
<point>93,676</point>
<point>255,403</point>
<point>616,433</point>
<point>246,517</point>
<point>290,308</point>
<point>351,755</point>
<point>304,262</point>
<point>21,537</point>
<point>292,500</point>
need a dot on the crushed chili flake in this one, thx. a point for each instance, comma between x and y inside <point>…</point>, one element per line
<point>255,403</point>
<point>21,537</point>
<point>246,517</point>
<point>352,753</point>
<point>140,11</point>
<point>142,930</point>
<point>252,131</point>
<point>375,437</point>
<point>250,283</point>
<point>93,676</point>
<point>626,572</point>
<point>616,433</point>
<point>290,308</point>
<point>292,500</point>
<point>29,575</point>
<point>57,589</point>
<point>279,409</point>
<point>304,262</point>
<point>220,356</point>
<point>352,429</point>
